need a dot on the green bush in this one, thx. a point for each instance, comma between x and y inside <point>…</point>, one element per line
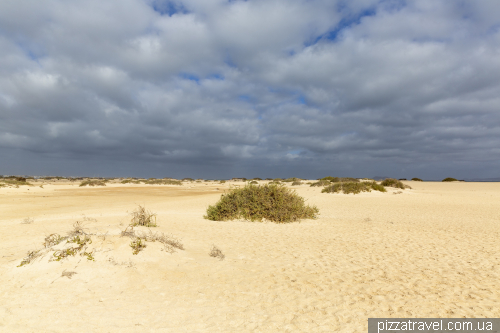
<point>275,203</point>
<point>321,183</point>
<point>417,180</point>
<point>391,182</point>
<point>450,180</point>
<point>295,183</point>
<point>353,187</point>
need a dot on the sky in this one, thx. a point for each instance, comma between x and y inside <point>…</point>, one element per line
<point>217,89</point>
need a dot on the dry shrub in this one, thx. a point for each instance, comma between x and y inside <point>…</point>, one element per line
<point>216,253</point>
<point>272,202</point>
<point>32,255</point>
<point>297,182</point>
<point>143,217</point>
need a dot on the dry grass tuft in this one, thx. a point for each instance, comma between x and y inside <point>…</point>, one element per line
<point>53,240</point>
<point>216,253</point>
<point>32,255</point>
<point>143,217</point>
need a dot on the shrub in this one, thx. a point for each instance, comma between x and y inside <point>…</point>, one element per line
<point>253,182</point>
<point>331,179</point>
<point>403,179</point>
<point>187,179</point>
<point>277,179</point>
<point>321,183</point>
<point>275,203</point>
<point>353,187</point>
<point>391,182</point>
<point>417,180</point>
<point>295,183</point>
<point>222,181</point>
<point>289,180</point>
<point>143,217</point>
<point>269,179</point>
<point>92,183</point>
<point>216,253</point>
<point>449,179</point>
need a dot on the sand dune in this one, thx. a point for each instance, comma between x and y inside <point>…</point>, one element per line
<point>432,251</point>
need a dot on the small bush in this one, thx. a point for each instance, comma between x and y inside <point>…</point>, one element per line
<point>269,179</point>
<point>53,240</point>
<point>216,253</point>
<point>222,181</point>
<point>449,179</point>
<point>137,245</point>
<point>391,182</point>
<point>143,217</point>
<point>331,179</point>
<point>130,181</point>
<point>271,202</point>
<point>187,179</point>
<point>253,182</point>
<point>353,187</point>
<point>417,180</point>
<point>295,183</point>
<point>321,183</point>
<point>289,180</point>
<point>92,183</point>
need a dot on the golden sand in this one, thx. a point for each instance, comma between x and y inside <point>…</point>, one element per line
<point>432,251</point>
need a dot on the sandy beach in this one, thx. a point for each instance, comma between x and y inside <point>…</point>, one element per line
<point>430,251</point>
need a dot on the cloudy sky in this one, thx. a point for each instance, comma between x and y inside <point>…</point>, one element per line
<point>257,88</point>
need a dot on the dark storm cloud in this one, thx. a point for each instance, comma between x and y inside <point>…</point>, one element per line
<point>222,88</point>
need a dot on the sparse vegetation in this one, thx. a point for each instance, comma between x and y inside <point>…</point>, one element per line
<point>417,180</point>
<point>391,182</point>
<point>170,243</point>
<point>137,245</point>
<point>449,179</point>
<point>92,183</point>
<point>353,187</point>
<point>272,202</point>
<point>14,181</point>
<point>32,255</point>
<point>253,182</point>
<point>142,217</point>
<point>53,240</point>
<point>297,182</point>
<point>28,220</point>
<point>216,253</point>
<point>163,182</point>
<point>321,183</point>
<point>222,181</point>
<point>130,181</point>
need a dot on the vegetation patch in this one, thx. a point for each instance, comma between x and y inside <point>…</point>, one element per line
<point>353,187</point>
<point>417,180</point>
<point>216,253</point>
<point>32,255</point>
<point>272,202</point>
<point>143,217</point>
<point>449,179</point>
<point>321,183</point>
<point>253,182</point>
<point>297,182</point>
<point>170,243</point>
<point>163,182</point>
<point>130,181</point>
<point>391,182</point>
<point>92,183</point>
<point>137,245</point>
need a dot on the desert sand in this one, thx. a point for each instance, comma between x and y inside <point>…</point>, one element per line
<point>432,251</point>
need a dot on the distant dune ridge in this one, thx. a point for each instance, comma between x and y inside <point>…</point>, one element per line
<point>430,251</point>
